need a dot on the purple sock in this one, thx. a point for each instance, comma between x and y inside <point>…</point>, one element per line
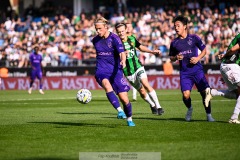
<point>128,109</point>
<point>187,102</point>
<point>113,99</point>
<point>40,87</point>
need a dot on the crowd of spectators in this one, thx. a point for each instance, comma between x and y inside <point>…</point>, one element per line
<point>66,40</point>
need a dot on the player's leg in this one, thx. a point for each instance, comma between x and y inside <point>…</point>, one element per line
<point>204,89</point>
<point>152,93</point>
<point>123,96</point>
<point>187,82</point>
<point>39,76</point>
<point>224,93</point>
<point>143,79</point>
<point>32,78</point>
<point>136,83</point>
<point>231,76</point>
<point>234,117</point>
<point>121,87</point>
<point>112,98</point>
<point>134,92</point>
<point>104,82</point>
<point>227,72</point>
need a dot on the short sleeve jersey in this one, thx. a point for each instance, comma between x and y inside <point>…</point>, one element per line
<point>35,60</point>
<point>108,50</point>
<point>132,62</point>
<point>235,58</point>
<point>188,47</point>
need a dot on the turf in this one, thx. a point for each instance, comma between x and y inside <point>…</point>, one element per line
<point>55,126</point>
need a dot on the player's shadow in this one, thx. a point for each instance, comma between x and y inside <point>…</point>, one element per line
<point>82,113</point>
<point>71,113</point>
<point>62,124</point>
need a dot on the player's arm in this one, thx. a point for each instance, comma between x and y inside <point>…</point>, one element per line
<point>177,57</point>
<point>194,60</point>
<point>145,49</point>
<point>120,49</point>
<point>232,50</point>
<point>30,63</point>
<point>172,55</point>
<point>123,58</point>
<point>202,47</point>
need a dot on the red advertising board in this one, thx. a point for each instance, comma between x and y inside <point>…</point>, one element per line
<point>89,82</point>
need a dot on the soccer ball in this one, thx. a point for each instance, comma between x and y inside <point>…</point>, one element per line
<point>84,96</point>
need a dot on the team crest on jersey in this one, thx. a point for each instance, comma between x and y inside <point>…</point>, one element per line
<point>189,42</point>
<point>109,44</point>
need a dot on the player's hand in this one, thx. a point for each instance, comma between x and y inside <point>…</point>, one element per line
<point>157,52</point>
<point>123,64</point>
<point>179,57</point>
<point>194,60</point>
<point>220,56</point>
<point>126,52</point>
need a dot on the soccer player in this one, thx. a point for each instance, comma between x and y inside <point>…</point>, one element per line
<point>135,72</point>
<point>230,70</point>
<point>36,69</point>
<point>184,48</point>
<point>130,33</point>
<point>109,74</point>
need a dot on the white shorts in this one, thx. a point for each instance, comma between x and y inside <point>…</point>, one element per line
<point>135,79</point>
<point>231,75</point>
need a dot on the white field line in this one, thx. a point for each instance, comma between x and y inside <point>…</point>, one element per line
<point>103,96</point>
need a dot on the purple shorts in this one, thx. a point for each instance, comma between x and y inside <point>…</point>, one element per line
<point>36,73</point>
<point>199,79</point>
<point>118,81</point>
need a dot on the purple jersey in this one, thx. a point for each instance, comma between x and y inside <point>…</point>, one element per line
<point>188,47</point>
<point>35,60</point>
<point>108,59</point>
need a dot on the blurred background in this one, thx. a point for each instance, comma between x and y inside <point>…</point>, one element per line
<point>63,30</point>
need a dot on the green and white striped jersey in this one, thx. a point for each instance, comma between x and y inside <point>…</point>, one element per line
<point>235,58</point>
<point>132,61</point>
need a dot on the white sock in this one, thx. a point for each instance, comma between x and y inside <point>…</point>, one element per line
<point>129,118</point>
<point>215,92</point>
<point>154,97</point>
<point>134,93</point>
<point>225,93</point>
<point>236,109</point>
<point>119,109</point>
<point>148,100</point>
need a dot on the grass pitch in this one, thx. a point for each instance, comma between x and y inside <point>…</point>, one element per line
<point>55,126</point>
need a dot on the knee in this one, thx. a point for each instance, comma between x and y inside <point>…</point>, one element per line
<point>186,95</point>
<point>142,91</point>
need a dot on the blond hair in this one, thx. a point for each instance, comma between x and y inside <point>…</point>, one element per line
<point>101,20</point>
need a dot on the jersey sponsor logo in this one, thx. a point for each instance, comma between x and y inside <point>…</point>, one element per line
<point>186,52</point>
<point>104,53</point>
<point>130,54</point>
